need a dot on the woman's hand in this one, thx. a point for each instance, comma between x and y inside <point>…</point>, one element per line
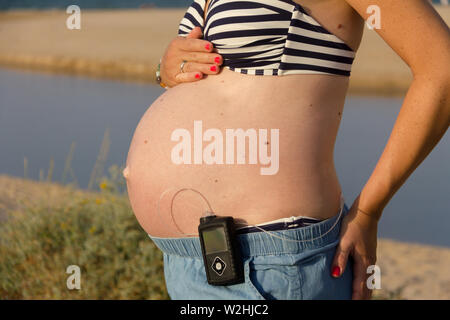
<point>358,239</point>
<point>199,56</point>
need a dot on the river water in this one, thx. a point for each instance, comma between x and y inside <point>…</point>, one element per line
<point>42,114</point>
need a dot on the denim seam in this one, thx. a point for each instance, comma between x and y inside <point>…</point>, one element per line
<point>298,279</point>
<point>187,257</point>
<point>250,283</point>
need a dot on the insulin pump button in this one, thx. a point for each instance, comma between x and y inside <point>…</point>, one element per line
<point>218,266</point>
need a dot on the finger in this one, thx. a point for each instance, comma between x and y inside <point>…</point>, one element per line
<point>201,67</point>
<point>194,45</point>
<point>188,76</point>
<point>360,289</point>
<point>340,260</point>
<point>195,33</point>
<point>200,57</point>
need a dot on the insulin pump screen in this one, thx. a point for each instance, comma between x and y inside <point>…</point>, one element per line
<point>214,240</point>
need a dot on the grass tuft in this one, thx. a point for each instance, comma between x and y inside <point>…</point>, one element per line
<point>98,233</point>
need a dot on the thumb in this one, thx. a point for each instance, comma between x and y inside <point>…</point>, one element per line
<point>340,260</point>
<point>195,33</point>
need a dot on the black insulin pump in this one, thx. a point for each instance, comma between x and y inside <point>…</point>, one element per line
<point>220,249</point>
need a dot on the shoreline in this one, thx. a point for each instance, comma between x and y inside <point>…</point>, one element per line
<point>70,66</point>
<point>126,44</point>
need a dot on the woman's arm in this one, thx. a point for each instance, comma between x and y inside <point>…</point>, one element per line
<point>415,31</point>
<point>422,39</point>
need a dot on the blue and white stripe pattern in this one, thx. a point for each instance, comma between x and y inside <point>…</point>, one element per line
<point>268,37</point>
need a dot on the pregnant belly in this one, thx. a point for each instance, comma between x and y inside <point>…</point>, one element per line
<point>244,155</point>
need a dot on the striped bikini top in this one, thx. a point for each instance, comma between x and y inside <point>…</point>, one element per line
<point>268,37</point>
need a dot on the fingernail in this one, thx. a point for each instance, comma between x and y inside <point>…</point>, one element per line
<point>336,271</point>
<point>197,76</point>
<point>213,68</point>
<point>207,47</point>
<point>217,60</point>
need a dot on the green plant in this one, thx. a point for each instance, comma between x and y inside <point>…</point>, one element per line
<point>98,233</point>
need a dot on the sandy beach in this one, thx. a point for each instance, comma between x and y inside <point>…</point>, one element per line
<point>127,45</point>
<point>408,271</point>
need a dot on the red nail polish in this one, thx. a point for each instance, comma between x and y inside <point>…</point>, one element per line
<point>336,271</point>
<point>217,60</point>
<point>213,68</point>
<point>197,76</point>
<point>207,46</point>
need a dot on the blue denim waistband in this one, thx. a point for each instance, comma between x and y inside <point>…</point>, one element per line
<point>292,241</point>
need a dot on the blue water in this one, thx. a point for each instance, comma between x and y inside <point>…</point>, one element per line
<point>61,4</point>
<point>42,114</point>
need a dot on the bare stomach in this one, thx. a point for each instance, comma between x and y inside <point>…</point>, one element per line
<point>284,167</point>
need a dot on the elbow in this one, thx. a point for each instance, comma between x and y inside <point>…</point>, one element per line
<point>436,81</point>
<point>434,74</point>
<point>432,64</point>
<point>438,76</point>
<point>433,67</point>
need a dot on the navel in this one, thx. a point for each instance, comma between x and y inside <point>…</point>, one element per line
<point>126,172</point>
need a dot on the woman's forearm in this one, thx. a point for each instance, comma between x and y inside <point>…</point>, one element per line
<point>422,122</point>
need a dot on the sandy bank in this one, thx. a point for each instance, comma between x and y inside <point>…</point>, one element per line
<point>408,271</point>
<point>127,44</point>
